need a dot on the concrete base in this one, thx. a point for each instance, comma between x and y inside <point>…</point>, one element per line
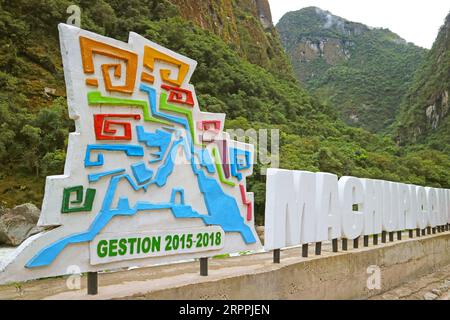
<point>340,275</point>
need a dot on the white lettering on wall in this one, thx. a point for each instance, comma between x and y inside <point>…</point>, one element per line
<point>304,207</point>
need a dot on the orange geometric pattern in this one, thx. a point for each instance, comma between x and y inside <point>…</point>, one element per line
<point>151,55</point>
<point>89,47</point>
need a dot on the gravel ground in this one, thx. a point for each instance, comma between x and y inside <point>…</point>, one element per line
<point>434,286</point>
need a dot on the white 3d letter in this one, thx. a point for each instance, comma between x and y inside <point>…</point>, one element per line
<point>390,206</point>
<point>373,206</point>
<point>404,206</point>
<point>433,214</point>
<point>442,207</point>
<point>422,205</point>
<point>281,206</point>
<point>305,183</point>
<point>351,192</point>
<point>411,217</point>
<point>328,222</point>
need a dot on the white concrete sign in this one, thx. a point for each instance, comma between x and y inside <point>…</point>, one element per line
<point>304,207</point>
<point>144,163</point>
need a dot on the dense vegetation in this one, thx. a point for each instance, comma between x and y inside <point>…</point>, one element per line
<point>424,116</point>
<point>35,126</point>
<point>362,72</point>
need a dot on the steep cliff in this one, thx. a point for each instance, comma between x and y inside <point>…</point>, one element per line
<point>363,72</point>
<point>246,25</point>
<point>425,110</point>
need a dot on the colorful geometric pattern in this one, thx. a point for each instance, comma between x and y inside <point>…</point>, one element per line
<point>144,118</point>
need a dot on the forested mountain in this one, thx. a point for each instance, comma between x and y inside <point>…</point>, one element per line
<point>361,72</point>
<point>424,116</point>
<point>255,87</point>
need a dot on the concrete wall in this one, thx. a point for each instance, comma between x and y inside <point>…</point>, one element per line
<point>331,276</point>
<point>338,276</point>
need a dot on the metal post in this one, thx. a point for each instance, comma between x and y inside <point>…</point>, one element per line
<point>375,239</point>
<point>356,243</point>
<point>276,256</point>
<point>204,267</point>
<point>305,251</point>
<point>391,236</point>
<point>318,248</point>
<point>383,236</point>
<point>344,245</point>
<point>92,283</point>
<point>366,241</point>
<point>399,235</point>
<point>411,234</point>
<point>334,243</point>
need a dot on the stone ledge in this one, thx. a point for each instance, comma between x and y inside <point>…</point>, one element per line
<point>340,275</point>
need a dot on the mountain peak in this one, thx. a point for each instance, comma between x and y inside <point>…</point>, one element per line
<point>340,59</point>
<point>319,22</point>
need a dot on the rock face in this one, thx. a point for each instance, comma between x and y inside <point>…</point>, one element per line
<point>265,15</point>
<point>260,232</point>
<point>425,109</point>
<point>426,106</point>
<point>16,224</point>
<point>246,25</point>
<point>438,110</point>
<point>363,72</point>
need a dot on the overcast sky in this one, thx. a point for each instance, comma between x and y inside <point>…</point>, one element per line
<point>416,21</point>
